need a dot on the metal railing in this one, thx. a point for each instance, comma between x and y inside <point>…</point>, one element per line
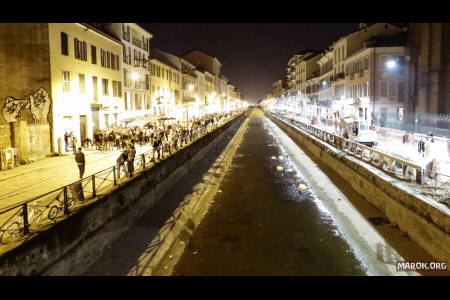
<point>395,166</point>
<point>423,180</point>
<point>39,212</point>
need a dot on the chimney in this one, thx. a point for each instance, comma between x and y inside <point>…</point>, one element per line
<point>362,25</point>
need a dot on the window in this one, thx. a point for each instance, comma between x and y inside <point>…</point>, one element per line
<point>93,54</point>
<point>84,51</point>
<point>94,88</point>
<point>105,87</point>
<point>102,57</point>
<point>392,88</point>
<point>113,61</point>
<point>383,61</point>
<point>80,49</point>
<point>108,59</point>
<point>117,62</point>
<point>66,81</point>
<point>76,48</point>
<point>81,84</point>
<point>115,87</point>
<point>147,82</point>
<point>124,50</point>
<point>64,44</point>
<point>400,91</point>
<point>383,88</point>
<point>120,89</point>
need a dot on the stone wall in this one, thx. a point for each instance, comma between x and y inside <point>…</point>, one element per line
<point>38,141</point>
<point>425,222</point>
<point>5,136</point>
<point>73,244</point>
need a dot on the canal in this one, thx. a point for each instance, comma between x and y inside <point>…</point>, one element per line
<point>259,223</point>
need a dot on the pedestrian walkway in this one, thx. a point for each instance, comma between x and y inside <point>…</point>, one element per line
<point>391,142</point>
<point>31,180</point>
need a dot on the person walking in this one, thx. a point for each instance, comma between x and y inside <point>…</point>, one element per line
<point>130,162</point>
<point>79,158</point>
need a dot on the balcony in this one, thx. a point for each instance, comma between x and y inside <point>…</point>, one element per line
<point>188,99</point>
<point>126,36</point>
<point>136,42</point>
<point>340,76</point>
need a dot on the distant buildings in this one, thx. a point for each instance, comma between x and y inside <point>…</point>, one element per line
<point>384,70</point>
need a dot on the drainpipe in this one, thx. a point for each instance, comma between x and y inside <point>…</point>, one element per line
<point>374,85</point>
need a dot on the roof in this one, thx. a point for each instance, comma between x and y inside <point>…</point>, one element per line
<point>388,40</point>
<point>102,31</point>
<point>161,55</point>
<point>192,50</point>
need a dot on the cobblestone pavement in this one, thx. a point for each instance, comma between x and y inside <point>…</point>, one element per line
<point>27,181</point>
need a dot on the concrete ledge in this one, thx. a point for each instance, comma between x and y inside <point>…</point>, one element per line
<point>425,222</point>
<point>71,246</point>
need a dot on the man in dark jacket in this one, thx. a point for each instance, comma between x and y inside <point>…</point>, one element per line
<point>79,158</point>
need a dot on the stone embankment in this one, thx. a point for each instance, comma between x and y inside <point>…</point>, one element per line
<point>70,246</point>
<point>425,222</point>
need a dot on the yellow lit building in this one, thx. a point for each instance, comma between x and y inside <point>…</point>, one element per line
<point>136,68</point>
<point>165,88</point>
<point>86,79</point>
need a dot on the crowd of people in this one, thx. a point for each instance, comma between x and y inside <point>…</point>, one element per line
<point>163,137</point>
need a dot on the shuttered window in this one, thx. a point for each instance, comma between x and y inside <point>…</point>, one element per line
<point>64,44</point>
<point>93,54</point>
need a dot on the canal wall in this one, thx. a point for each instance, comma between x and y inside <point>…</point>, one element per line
<point>425,222</point>
<point>72,245</point>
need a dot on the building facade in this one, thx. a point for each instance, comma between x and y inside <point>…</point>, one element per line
<point>136,68</point>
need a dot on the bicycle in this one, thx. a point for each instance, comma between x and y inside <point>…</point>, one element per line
<point>16,229</point>
<point>56,208</point>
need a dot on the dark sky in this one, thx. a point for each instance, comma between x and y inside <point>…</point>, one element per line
<point>253,55</point>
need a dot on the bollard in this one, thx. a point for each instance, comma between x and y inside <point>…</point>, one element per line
<point>114,175</point>
<point>93,187</point>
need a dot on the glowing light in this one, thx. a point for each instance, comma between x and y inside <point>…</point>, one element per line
<point>190,87</point>
<point>135,76</point>
<point>391,64</point>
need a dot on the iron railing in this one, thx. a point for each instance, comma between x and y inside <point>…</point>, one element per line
<point>37,213</point>
<point>428,182</point>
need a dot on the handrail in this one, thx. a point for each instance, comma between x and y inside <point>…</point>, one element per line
<point>418,168</point>
<point>62,202</point>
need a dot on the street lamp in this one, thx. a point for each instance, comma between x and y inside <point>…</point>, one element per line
<point>391,64</point>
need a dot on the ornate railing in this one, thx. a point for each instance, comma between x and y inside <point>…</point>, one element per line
<point>37,213</point>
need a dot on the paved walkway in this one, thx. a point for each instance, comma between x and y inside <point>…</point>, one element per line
<point>391,142</point>
<point>27,181</point>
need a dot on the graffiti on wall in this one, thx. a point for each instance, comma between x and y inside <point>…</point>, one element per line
<point>38,104</point>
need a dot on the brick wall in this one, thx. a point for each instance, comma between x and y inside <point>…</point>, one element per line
<point>5,136</point>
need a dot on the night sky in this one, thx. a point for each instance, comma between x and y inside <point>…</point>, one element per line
<point>253,55</point>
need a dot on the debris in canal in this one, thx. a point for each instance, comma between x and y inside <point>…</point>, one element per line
<point>302,188</point>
